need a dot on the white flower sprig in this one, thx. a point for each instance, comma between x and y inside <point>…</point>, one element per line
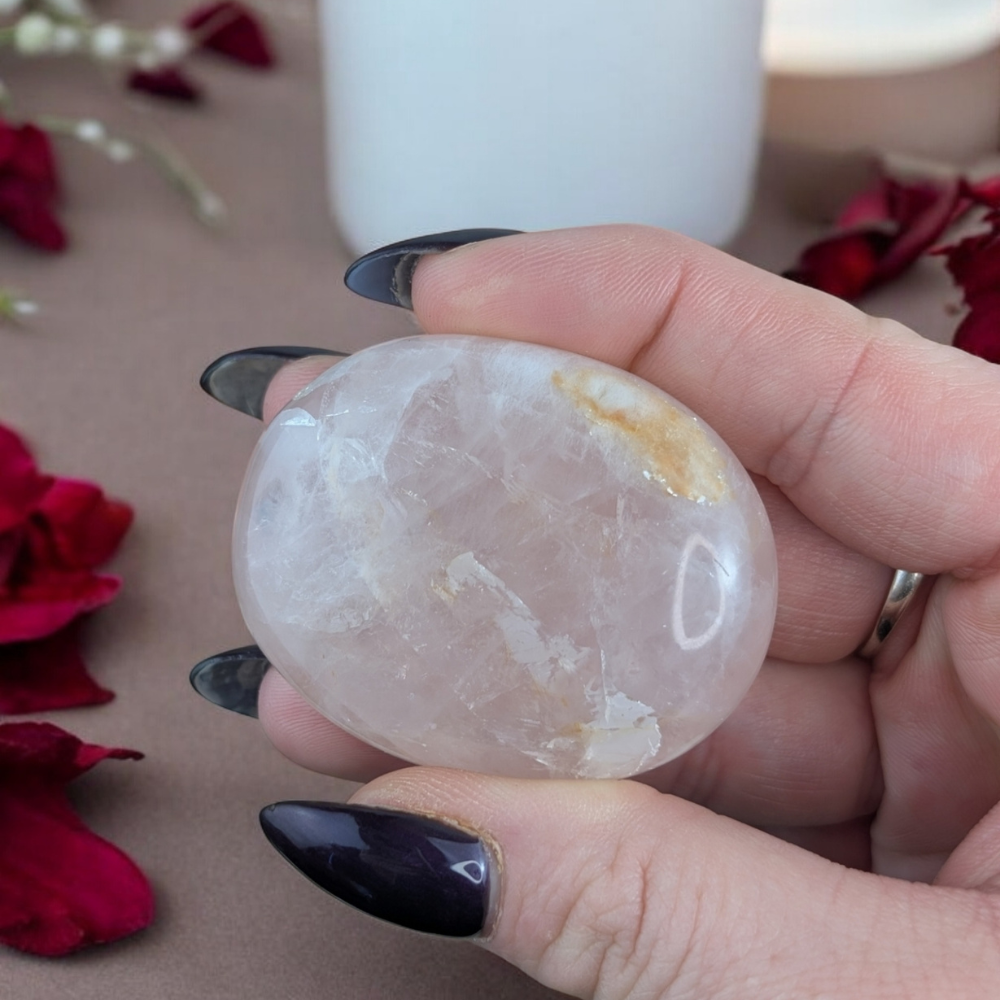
<point>37,33</point>
<point>146,60</point>
<point>206,205</point>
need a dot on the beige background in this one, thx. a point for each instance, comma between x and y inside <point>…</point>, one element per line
<point>104,386</point>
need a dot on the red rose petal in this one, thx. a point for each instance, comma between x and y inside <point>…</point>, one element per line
<point>25,210</point>
<point>8,141</point>
<point>979,332</point>
<point>869,207</point>
<point>38,558</point>
<point>61,886</point>
<point>232,30</point>
<point>985,192</point>
<point>923,213</point>
<point>37,609</point>
<point>168,83</point>
<point>45,675</point>
<point>10,546</point>
<point>974,263</point>
<point>892,225</point>
<point>28,186</point>
<point>22,486</point>
<point>33,160</point>
<point>86,527</point>
<point>843,265</point>
<point>33,751</point>
<point>59,531</point>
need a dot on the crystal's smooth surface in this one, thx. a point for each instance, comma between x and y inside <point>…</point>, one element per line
<point>502,557</point>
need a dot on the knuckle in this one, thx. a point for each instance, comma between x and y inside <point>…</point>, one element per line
<point>796,454</point>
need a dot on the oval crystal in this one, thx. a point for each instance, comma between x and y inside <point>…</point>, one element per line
<point>502,557</point>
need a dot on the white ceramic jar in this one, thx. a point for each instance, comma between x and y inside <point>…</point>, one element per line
<point>536,114</point>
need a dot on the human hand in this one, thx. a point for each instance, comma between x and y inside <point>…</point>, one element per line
<point>739,869</point>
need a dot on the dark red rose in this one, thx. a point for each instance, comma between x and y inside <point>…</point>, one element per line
<point>880,234</point>
<point>169,83</point>
<point>232,30</point>
<point>54,533</point>
<point>29,186</point>
<point>61,886</point>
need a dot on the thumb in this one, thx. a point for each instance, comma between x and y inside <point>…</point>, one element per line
<point>612,890</point>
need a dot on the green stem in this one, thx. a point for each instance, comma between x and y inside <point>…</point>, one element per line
<point>206,204</point>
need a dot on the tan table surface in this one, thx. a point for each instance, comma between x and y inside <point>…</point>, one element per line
<point>104,386</point>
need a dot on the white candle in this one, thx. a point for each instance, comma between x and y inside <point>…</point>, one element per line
<point>535,114</point>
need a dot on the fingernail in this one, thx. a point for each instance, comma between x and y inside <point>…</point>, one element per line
<point>386,274</point>
<point>231,679</point>
<point>407,869</point>
<point>240,379</point>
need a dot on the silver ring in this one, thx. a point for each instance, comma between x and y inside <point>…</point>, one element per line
<point>901,592</point>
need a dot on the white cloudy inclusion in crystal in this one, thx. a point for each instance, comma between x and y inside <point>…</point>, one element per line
<point>502,557</point>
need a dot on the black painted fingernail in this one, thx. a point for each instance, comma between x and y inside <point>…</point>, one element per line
<point>231,679</point>
<point>407,869</point>
<point>240,379</point>
<point>386,274</point>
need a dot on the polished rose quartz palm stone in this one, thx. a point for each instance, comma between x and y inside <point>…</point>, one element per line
<point>503,557</point>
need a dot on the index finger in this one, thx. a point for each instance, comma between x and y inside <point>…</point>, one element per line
<point>880,437</point>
